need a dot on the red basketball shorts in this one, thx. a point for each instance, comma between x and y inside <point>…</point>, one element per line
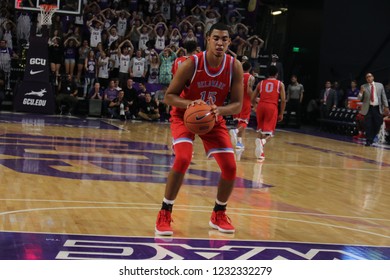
<point>215,141</point>
<point>244,116</point>
<point>267,117</point>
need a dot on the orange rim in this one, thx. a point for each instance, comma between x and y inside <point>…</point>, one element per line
<point>48,7</point>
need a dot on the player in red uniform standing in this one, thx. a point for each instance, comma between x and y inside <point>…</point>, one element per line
<point>190,47</point>
<point>267,109</point>
<point>237,134</point>
<point>206,77</point>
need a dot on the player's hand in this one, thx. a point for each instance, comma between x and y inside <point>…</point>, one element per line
<point>280,118</point>
<point>214,109</point>
<point>198,101</point>
<point>386,111</point>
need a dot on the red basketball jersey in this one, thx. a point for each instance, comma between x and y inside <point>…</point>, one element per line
<point>269,91</point>
<point>208,82</point>
<point>177,63</point>
<point>246,101</point>
<point>246,98</point>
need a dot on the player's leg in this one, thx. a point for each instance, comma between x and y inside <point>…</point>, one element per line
<point>270,118</point>
<point>233,132</point>
<point>260,138</point>
<point>242,125</point>
<point>217,144</point>
<point>183,154</point>
<point>219,220</point>
<point>172,187</point>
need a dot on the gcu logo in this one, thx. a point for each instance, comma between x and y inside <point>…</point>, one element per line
<point>37,61</point>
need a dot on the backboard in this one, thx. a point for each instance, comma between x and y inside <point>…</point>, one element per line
<point>72,7</point>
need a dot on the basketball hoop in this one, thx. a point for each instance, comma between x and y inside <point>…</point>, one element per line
<point>47,12</point>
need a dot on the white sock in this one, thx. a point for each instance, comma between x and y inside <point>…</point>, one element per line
<point>239,139</point>
<point>167,201</point>
<point>220,203</point>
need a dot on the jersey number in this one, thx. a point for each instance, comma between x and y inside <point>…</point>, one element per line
<point>204,97</point>
<point>269,87</point>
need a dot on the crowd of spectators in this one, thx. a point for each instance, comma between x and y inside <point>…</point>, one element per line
<point>129,43</point>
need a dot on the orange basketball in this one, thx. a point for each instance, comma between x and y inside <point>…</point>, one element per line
<point>198,119</point>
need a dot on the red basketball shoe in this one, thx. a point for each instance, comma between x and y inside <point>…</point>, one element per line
<point>163,223</point>
<point>220,221</point>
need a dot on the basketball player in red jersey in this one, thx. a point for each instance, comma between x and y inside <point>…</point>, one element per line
<point>237,134</point>
<point>190,47</point>
<point>267,109</point>
<point>206,77</point>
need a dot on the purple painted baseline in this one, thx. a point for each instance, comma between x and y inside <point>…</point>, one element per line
<point>46,246</point>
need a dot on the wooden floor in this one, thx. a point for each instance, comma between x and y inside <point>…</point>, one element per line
<point>96,177</point>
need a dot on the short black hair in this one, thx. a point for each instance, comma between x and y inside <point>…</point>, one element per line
<point>190,46</point>
<point>246,66</point>
<point>272,71</point>
<point>218,26</point>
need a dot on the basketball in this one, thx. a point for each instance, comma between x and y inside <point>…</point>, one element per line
<point>198,119</point>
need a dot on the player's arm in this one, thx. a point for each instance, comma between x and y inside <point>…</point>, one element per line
<point>236,92</point>
<point>282,102</point>
<point>255,94</point>
<point>183,74</point>
<point>250,90</point>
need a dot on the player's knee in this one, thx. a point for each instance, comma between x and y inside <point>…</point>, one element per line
<point>229,171</point>
<point>227,164</point>
<point>182,162</point>
<point>183,156</point>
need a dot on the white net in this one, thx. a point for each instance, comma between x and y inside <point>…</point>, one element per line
<point>47,12</point>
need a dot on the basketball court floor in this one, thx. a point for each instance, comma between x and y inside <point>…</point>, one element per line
<point>73,188</point>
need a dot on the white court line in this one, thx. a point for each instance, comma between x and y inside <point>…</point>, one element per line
<point>228,237</point>
<point>176,209</point>
<point>190,207</point>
